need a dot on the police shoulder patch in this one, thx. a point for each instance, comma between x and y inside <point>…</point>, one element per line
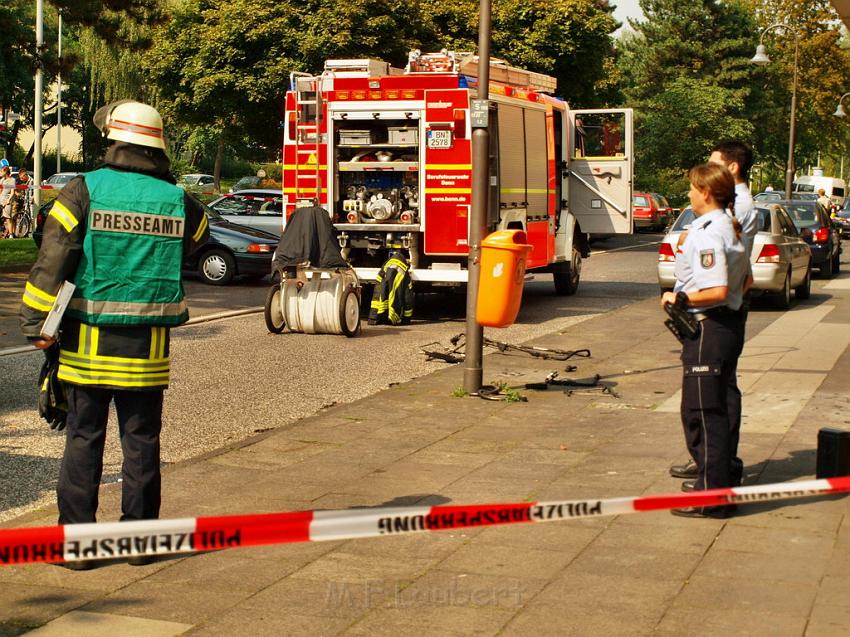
<point>706,258</point>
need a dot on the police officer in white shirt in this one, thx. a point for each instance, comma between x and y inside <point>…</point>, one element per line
<point>714,273</point>
<point>737,157</point>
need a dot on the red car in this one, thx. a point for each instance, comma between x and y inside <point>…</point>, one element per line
<point>650,211</point>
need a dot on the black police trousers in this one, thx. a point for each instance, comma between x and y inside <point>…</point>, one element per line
<point>711,431</point>
<point>139,426</point>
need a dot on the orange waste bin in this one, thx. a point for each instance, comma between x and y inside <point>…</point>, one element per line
<point>503,257</point>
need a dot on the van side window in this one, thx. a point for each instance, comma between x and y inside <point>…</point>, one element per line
<point>837,192</point>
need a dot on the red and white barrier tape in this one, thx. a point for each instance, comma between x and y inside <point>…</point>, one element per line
<point>117,540</point>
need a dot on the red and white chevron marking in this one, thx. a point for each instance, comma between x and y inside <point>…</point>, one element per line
<point>120,540</point>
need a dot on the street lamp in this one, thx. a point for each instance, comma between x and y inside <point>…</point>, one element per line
<point>761,58</point>
<point>839,111</point>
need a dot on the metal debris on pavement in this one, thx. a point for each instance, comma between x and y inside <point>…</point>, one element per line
<point>455,354</point>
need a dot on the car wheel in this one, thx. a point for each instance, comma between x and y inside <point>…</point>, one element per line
<point>804,290</point>
<point>568,277</point>
<point>783,299</point>
<point>273,313</point>
<point>349,313</point>
<point>217,267</point>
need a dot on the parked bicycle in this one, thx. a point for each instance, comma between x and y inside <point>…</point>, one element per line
<point>22,223</point>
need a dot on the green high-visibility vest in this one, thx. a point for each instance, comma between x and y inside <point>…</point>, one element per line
<point>129,271</point>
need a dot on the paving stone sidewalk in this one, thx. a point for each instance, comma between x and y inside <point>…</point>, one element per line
<point>780,568</point>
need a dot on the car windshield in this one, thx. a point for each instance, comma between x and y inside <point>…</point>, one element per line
<point>189,179</point>
<point>640,201</point>
<point>684,220</point>
<point>768,196</point>
<point>230,206</point>
<point>802,214</point>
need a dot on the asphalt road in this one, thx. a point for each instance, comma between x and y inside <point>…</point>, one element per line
<point>231,378</point>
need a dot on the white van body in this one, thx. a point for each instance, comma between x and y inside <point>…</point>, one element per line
<point>834,188</point>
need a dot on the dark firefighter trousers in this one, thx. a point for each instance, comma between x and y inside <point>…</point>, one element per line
<point>711,399</point>
<point>139,426</point>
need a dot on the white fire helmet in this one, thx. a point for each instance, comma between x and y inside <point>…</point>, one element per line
<point>132,122</point>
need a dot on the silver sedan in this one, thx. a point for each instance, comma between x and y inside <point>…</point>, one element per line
<point>781,260</point>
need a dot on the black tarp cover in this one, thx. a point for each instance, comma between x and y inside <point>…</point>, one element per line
<point>309,236</point>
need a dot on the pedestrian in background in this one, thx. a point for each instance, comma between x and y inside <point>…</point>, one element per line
<point>713,273</point>
<point>120,234</point>
<point>22,192</point>
<point>824,201</point>
<point>7,193</point>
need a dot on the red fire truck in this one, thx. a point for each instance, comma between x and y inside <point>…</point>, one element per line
<point>387,152</point>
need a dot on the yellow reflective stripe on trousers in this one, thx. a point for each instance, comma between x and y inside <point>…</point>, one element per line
<point>201,227</point>
<point>63,216</point>
<point>115,379</point>
<point>105,364</point>
<point>158,339</point>
<point>127,308</point>
<point>154,350</point>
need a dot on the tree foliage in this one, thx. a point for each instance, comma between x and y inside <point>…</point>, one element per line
<point>568,39</point>
<point>686,71</point>
<point>711,42</point>
<point>824,75</point>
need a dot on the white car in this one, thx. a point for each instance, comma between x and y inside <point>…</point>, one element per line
<point>58,181</point>
<point>781,260</point>
<point>197,183</point>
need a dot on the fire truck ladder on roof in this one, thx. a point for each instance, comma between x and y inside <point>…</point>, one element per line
<point>308,135</point>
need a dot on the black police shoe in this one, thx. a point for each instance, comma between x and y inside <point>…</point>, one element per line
<point>141,560</point>
<point>79,565</point>
<point>717,513</point>
<point>687,470</point>
<point>689,485</point>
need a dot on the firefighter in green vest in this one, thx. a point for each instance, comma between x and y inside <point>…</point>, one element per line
<point>120,234</point>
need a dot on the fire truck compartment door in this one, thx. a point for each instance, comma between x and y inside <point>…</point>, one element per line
<point>599,170</point>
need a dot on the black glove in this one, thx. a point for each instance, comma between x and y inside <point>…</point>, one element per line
<point>52,404</point>
<point>681,322</point>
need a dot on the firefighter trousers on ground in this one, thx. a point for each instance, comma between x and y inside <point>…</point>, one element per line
<point>392,300</point>
<point>139,425</point>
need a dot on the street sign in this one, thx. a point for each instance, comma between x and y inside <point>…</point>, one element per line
<point>479,112</point>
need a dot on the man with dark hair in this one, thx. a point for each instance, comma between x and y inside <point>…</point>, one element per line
<point>738,158</point>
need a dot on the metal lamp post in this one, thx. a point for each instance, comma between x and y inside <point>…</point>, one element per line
<point>839,112</point>
<point>473,370</point>
<point>59,103</point>
<point>39,106</point>
<point>762,59</point>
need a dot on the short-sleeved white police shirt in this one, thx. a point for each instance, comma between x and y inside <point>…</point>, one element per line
<point>713,257</point>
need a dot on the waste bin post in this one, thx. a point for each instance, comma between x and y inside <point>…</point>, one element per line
<point>504,254</point>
